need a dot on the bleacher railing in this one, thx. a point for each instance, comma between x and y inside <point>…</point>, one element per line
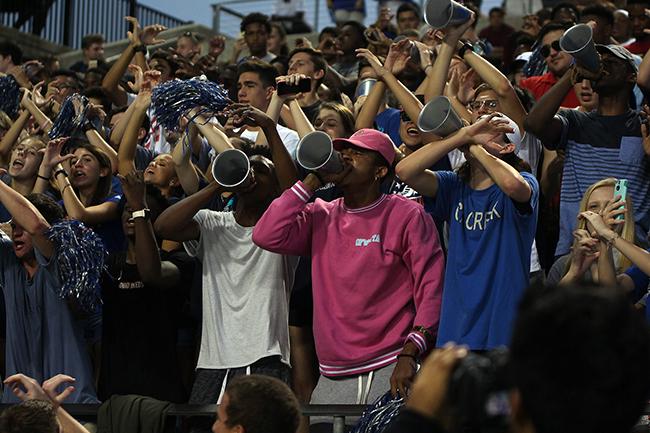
<point>65,22</point>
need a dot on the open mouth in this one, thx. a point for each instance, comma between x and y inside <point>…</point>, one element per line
<point>78,174</point>
<point>413,131</point>
<point>18,163</point>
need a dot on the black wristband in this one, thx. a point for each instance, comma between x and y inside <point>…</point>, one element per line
<point>59,171</point>
<point>463,50</point>
<point>140,49</point>
<point>43,177</point>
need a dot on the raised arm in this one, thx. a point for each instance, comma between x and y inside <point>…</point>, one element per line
<point>301,123</point>
<point>541,120</point>
<point>182,157</point>
<point>438,73</point>
<point>126,152</point>
<point>24,214</point>
<point>151,269</point>
<point>508,99</point>
<point>176,223</point>
<point>284,166</point>
<point>11,137</point>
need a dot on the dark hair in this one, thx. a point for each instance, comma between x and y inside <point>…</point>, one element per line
<point>316,57</point>
<point>637,2</point>
<point>579,357</point>
<point>332,31</point>
<point>191,36</point>
<point>30,416</point>
<point>88,40</point>
<point>552,27</point>
<point>266,71</point>
<point>497,10</point>
<point>255,17</point>
<point>249,147</point>
<point>9,49</point>
<point>70,74</point>
<point>564,5</point>
<point>99,93</point>
<point>47,207</point>
<point>360,29</point>
<point>168,57</point>
<point>599,11</point>
<point>104,184</point>
<point>408,7</point>
<point>261,404</point>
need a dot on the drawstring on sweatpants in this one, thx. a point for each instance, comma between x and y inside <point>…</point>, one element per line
<point>225,383</point>
<point>362,395</point>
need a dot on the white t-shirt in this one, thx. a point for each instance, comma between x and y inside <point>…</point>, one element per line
<point>245,294</point>
<point>288,136</point>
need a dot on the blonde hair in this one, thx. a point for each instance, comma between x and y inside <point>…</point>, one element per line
<point>628,226</point>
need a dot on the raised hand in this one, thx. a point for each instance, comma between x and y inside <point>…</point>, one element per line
<point>244,114</point>
<point>398,56</point>
<point>466,91</point>
<point>25,388</point>
<point>290,80</point>
<point>583,253</point>
<point>138,77</point>
<point>52,385</point>
<point>149,80</point>
<point>134,189</point>
<point>38,99</point>
<point>134,35</point>
<point>149,35</point>
<point>374,62</point>
<point>453,34</point>
<point>95,111</point>
<point>485,130</point>
<point>52,153</point>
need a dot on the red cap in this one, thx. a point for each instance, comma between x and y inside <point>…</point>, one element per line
<point>370,139</point>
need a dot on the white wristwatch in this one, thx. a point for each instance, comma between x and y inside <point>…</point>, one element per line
<point>142,213</point>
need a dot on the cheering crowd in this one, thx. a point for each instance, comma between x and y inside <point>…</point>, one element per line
<point>337,283</point>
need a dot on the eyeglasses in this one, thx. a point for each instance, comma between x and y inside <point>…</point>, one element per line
<point>545,51</point>
<point>404,117</point>
<point>489,103</point>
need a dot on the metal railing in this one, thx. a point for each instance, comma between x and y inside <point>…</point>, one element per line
<point>65,22</point>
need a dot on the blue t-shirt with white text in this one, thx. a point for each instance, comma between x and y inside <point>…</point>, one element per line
<point>488,261</point>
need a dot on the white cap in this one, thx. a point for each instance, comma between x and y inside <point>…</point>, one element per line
<point>525,57</point>
<point>515,136</point>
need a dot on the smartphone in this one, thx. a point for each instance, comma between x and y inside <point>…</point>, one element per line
<point>620,189</point>
<point>303,86</point>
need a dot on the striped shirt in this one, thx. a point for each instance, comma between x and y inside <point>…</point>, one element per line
<point>598,147</point>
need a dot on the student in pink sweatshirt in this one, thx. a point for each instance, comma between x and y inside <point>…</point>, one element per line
<point>377,270</point>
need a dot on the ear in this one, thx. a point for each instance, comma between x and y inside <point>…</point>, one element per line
<point>103,172</point>
<point>381,172</point>
<point>508,148</point>
<point>174,181</point>
<point>319,74</point>
<point>269,93</point>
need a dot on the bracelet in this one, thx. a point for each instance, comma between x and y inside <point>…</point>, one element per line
<point>59,171</point>
<point>463,50</point>
<point>140,49</point>
<point>63,190</point>
<point>43,177</point>
<point>424,331</point>
<point>427,67</point>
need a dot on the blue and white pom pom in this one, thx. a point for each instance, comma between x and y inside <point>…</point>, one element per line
<point>9,95</point>
<point>378,416</point>
<point>71,116</point>
<point>173,99</point>
<point>80,255</point>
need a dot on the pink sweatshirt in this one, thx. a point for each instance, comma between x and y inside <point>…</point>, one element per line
<point>377,272</point>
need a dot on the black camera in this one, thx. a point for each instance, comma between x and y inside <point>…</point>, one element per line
<point>478,393</point>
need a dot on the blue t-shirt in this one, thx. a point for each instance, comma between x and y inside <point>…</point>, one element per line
<point>488,261</point>
<point>388,122</point>
<point>598,147</point>
<point>43,337</point>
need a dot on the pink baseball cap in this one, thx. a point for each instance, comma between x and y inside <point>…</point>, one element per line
<point>370,139</point>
